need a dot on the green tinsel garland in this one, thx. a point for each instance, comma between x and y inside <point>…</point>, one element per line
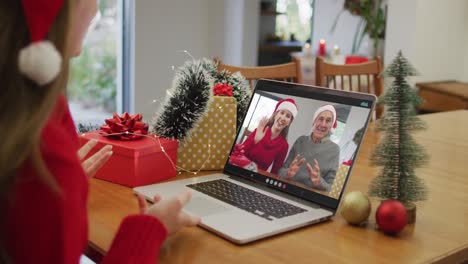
<point>190,96</point>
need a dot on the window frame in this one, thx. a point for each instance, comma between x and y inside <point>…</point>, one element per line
<point>125,91</point>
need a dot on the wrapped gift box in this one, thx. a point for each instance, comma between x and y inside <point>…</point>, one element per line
<point>136,162</point>
<point>211,140</point>
<point>339,181</point>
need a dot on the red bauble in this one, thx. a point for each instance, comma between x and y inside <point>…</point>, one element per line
<point>391,216</point>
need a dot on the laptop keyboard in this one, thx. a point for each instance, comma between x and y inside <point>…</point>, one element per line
<point>247,199</point>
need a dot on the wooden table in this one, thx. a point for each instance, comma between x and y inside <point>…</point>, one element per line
<point>443,96</point>
<point>439,235</point>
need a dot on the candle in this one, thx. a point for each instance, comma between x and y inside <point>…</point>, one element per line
<point>336,50</point>
<point>306,50</point>
<point>336,56</point>
<point>321,50</point>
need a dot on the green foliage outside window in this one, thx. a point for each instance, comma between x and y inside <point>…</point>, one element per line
<point>296,19</point>
<point>93,77</point>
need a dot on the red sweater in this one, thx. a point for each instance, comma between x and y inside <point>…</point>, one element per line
<point>266,151</point>
<point>42,226</point>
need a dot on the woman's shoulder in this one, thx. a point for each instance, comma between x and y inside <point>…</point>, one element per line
<point>57,141</point>
<point>59,134</point>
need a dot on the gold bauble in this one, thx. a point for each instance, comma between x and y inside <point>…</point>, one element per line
<point>355,208</point>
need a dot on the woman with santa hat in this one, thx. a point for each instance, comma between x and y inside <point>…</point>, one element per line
<point>267,144</point>
<point>43,172</point>
<point>313,160</point>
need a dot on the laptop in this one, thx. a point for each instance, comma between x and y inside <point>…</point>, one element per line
<point>247,202</point>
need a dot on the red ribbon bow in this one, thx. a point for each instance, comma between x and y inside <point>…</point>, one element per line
<point>125,127</point>
<point>222,89</point>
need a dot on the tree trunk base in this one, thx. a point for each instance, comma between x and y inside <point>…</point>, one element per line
<point>411,214</point>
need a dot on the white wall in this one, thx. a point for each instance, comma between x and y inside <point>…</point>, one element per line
<point>251,27</point>
<point>217,34</point>
<point>162,30</point>
<point>203,27</point>
<point>400,29</point>
<point>432,34</point>
<point>356,119</point>
<point>234,9</point>
<point>324,16</point>
<point>440,40</point>
<point>241,27</point>
<point>464,76</point>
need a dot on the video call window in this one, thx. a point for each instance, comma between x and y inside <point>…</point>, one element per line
<point>293,157</point>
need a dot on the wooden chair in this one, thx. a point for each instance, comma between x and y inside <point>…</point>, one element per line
<point>289,72</point>
<point>362,77</point>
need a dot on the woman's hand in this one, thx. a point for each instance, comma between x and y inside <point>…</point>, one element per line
<point>294,166</point>
<point>314,173</point>
<point>92,164</point>
<point>169,211</point>
<point>260,130</point>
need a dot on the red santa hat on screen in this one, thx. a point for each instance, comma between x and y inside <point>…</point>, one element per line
<point>287,104</point>
<point>323,108</point>
<point>40,61</point>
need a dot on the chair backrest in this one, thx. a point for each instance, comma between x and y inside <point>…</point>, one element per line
<point>289,72</point>
<point>362,77</point>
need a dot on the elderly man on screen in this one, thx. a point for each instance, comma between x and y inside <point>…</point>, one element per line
<point>313,160</point>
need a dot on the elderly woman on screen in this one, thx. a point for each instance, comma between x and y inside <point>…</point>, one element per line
<point>313,160</point>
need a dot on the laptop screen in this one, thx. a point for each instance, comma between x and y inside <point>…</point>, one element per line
<point>300,139</point>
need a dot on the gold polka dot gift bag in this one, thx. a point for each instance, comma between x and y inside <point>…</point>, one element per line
<point>209,144</point>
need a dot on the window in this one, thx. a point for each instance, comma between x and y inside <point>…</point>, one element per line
<point>264,105</point>
<point>297,21</point>
<point>342,112</point>
<point>98,84</point>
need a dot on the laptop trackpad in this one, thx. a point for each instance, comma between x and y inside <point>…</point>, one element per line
<point>201,207</point>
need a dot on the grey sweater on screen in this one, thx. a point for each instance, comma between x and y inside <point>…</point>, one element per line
<point>327,154</point>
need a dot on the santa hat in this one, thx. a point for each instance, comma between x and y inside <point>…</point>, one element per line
<point>287,104</point>
<point>330,108</point>
<point>40,61</point>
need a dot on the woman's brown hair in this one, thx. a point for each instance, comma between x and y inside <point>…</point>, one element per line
<point>285,130</point>
<point>24,105</point>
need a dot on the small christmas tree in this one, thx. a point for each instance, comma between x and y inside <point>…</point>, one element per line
<point>397,152</point>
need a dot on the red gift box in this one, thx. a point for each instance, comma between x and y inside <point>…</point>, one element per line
<point>136,162</point>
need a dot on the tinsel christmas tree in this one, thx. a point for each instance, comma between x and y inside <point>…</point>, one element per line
<point>84,128</point>
<point>398,153</point>
<point>186,103</point>
<point>190,96</point>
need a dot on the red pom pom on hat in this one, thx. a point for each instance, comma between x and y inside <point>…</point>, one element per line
<point>40,61</point>
<point>287,104</point>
